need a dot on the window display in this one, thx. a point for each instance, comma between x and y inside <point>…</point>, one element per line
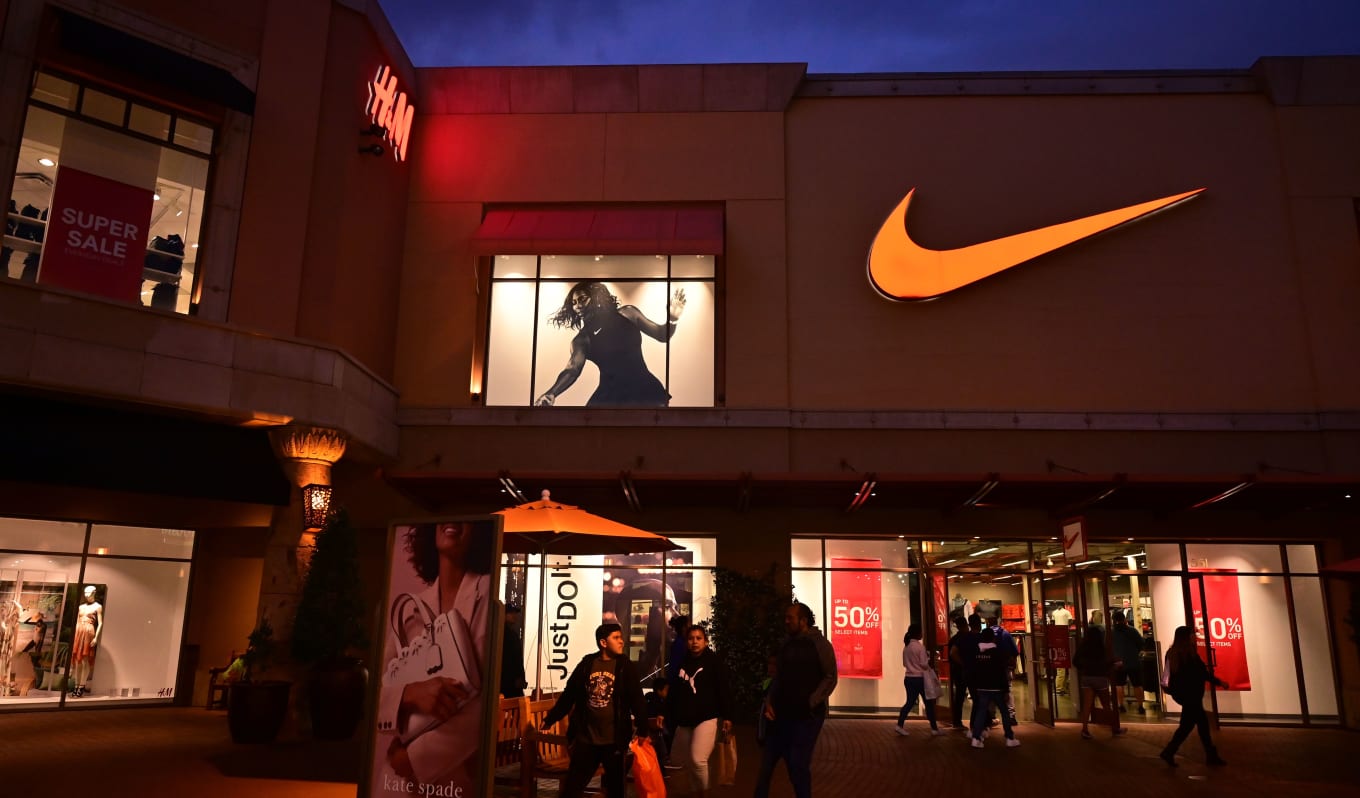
<point>112,637</point>
<point>603,331</point>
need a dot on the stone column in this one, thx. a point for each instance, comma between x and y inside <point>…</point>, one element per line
<point>307,454</point>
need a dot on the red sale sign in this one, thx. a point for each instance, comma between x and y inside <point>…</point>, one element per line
<point>856,617</point>
<point>96,235</point>
<point>1224,624</point>
<point>1056,640</point>
<point>941,602</point>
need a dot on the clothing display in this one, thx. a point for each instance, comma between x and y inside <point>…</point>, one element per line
<point>83,648</point>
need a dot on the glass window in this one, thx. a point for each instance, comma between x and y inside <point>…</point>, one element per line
<point>889,553</point>
<point>1240,558</point>
<point>1302,559</point>
<point>128,541</point>
<point>22,534</point>
<point>53,90</point>
<point>194,136</point>
<point>559,323</point>
<point>156,192</point>
<point>142,603</point>
<point>39,583</point>
<point>149,121</point>
<point>104,107</point>
<point>807,552</point>
<point>1315,647</point>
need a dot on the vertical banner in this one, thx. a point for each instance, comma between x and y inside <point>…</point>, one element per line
<point>96,235</point>
<point>567,616</point>
<point>856,617</point>
<point>1224,626</point>
<point>437,688</point>
<point>940,593</point>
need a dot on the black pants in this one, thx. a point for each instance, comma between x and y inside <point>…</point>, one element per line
<point>958,691</point>
<point>1193,716</point>
<point>585,758</point>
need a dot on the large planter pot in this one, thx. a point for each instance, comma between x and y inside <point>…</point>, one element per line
<point>336,692</point>
<point>255,710</point>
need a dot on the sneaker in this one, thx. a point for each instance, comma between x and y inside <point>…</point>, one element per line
<point>1120,730</point>
<point>1012,743</point>
<point>936,732</point>
<point>1168,757</point>
<point>1086,735</point>
<point>902,731</point>
<point>977,742</point>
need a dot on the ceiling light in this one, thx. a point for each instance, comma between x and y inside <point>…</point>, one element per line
<point>1017,562</point>
<point>1088,562</point>
<point>156,197</point>
<point>193,246</point>
<point>181,213</point>
<point>985,551</point>
<point>1130,539</point>
<point>945,562</point>
<point>46,162</point>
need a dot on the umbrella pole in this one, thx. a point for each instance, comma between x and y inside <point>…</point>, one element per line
<point>542,617</point>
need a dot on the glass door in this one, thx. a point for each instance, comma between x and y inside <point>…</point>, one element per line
<point>1039,655</point>
<point>1197,608</point>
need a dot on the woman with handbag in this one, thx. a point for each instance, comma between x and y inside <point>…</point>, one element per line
<point>915,662</point>
<point>699,705</point>
<point>428,722</point>
<point>1186,675</point>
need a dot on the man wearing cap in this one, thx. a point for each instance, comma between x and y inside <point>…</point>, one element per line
<point>607,709</point>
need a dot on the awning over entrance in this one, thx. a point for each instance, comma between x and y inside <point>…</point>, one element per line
<point>688,230</point>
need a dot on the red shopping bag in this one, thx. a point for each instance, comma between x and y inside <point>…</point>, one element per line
<point>647,777</point>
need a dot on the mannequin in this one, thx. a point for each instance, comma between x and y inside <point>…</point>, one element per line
<point>89,623</point>
<point>1063,618</point>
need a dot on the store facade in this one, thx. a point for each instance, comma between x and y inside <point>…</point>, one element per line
<point>428,293</point>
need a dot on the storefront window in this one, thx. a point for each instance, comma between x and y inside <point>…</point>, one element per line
<point>90,629</point>
<point>543,349</point>
<point>108,196</point>
<point>640,592</point>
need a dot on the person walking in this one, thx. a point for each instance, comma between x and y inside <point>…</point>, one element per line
<point>1186,676</point>
<point>795,707</point>
<point>986,675</point>
<point>1128,668</point>
<point>1093,674</point>
<point>915,662</point>
<point>698,704</point>
<point>607,710</point>
<point>961,648</point>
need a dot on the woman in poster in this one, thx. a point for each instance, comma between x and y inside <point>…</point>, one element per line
<point>429,725</point>
<point>610,336</point>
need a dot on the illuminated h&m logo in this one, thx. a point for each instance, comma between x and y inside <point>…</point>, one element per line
<point>389,110</point>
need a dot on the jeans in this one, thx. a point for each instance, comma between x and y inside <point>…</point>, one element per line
<point>693,747</point>
<point>793,741</point>
<point>958,691</point>
<point>983,701</point>
<point>1194,717</point>
<point>916,688</point>
<point>585,758</point>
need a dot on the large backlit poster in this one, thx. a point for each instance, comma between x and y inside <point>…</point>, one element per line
<point>856,617</point>
<point>570,611</point>
<point>612,331</point>
<point>96,235</point>
<point>1224,627</point>
<point>437,685</point>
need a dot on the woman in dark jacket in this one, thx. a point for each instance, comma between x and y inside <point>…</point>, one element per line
<point>1186,676</point>
<point>698,704</point>
<point>1094,666</point>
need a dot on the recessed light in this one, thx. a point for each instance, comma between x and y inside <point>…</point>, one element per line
<point>193,246</point>
<point>46,162</point>
<point>181,213</point>
<point>156,197</point>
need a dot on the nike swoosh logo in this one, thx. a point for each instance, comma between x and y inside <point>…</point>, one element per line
<point>899,268</point>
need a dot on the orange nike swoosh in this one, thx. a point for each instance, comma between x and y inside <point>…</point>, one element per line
<point>899,268</point>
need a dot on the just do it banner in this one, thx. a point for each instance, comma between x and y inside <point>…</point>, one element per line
<point>856,617</point>
<point>1224,627</point>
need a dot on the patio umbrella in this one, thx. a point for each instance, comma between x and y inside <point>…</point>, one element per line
<point>547,527</point>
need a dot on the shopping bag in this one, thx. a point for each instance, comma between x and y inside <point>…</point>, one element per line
<point>648,779</point>
<point>932,689</point>
<point>725,754</point>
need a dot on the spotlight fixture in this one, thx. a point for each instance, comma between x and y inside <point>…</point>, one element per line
<point>46,162</point>
<point>316,506</point>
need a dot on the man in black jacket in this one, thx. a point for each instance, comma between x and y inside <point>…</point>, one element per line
<point>796,706</point>
<point>607,710</point>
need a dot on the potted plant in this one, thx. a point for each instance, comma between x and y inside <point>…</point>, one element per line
<point>256,707</point>
<point>329,629</point>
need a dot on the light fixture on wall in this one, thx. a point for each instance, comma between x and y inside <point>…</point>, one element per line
<point>316,506</point>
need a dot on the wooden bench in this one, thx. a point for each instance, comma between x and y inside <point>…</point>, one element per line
<point>545,754</point>
<point>510,739</point>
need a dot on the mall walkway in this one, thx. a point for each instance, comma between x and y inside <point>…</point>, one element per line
<point>186,753</point>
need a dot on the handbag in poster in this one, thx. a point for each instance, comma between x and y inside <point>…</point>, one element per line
<point>444,648</point>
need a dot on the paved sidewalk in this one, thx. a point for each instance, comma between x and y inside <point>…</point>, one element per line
<point>187,752</point>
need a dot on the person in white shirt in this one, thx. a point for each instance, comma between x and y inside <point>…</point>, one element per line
<point>1061,618</point>
<point>915,661</point>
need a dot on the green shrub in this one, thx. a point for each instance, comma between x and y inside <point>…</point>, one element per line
<point>330,614</point>
<point>747,628</point>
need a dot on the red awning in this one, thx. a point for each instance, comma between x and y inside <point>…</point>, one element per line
<point>601,231</point>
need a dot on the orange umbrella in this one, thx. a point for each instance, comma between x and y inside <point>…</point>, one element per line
<point>547,527</point>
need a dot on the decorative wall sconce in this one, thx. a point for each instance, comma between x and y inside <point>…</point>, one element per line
<point>316,506</point>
